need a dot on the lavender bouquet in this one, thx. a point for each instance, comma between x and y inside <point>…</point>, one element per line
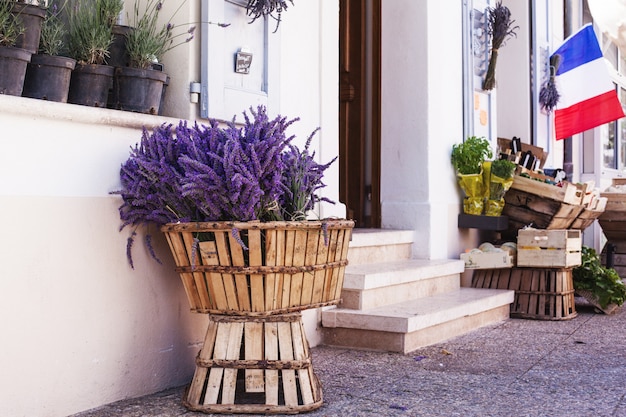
<point>208,172</point>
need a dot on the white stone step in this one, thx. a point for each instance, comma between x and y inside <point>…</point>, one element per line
<point>379,245</point>
<point>412,324</point>
<point>373,285</point>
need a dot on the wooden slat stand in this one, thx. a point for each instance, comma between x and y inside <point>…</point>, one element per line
<point>540,293</point>
<point>259,365</point>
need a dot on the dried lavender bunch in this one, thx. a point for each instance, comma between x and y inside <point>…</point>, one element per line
<point>549,95</point>
<point>302,177</point>
<point>264,8</point>
<point>500,28</point>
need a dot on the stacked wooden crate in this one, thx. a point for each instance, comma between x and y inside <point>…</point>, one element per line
<point>542,280</point>
<point>613,223</point>
<point>533,202</point>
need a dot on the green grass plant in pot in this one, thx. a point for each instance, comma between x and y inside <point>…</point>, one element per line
<point>49,72</point>
<point>500,180</point>
<point>90,37</point>
<point>139,87</point>
<point>467,159</point>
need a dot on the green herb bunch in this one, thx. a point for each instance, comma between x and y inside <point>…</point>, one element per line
<point>10,27</point>
<point>502,168</point>
<point>603,282</point>
<point>150,39</point>
<point>468,156</point>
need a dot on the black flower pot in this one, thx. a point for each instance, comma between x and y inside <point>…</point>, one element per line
<point>48,77</point>
<point>13,62</point>
<point>31,17</point>
<point>118,56</point>
<point>138,90</point>
<point>89,85</point>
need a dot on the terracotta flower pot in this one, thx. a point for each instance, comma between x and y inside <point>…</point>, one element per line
<point>48,77</point>
<point>13,62</point>
<point>138,90</point>
<point>31,17</point>
<point>89,84</point>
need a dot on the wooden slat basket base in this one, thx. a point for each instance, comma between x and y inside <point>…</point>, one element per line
<point>540,293</point>
<point>256,365</point>
<point>260,268</point>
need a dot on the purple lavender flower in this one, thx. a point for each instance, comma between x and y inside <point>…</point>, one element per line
<point>215,173</point>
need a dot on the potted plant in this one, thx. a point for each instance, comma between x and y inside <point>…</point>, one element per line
<point>500,180</point>
<point>467,159</point>
<point>232,202</point>
<point>49,71</point>
<point>139,86</point>
<point>13,60</point>
<point>30,15</point>
<point>89,39</point>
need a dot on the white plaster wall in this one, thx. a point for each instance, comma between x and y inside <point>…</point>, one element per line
<point>309,90</point>
<point>422,114</point>
<point>80,328</point>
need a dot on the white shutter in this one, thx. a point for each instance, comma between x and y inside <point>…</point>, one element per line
<point>479,105</point>
<point>224,91</point>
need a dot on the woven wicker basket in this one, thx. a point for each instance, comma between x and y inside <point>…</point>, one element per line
<point>260,268</point>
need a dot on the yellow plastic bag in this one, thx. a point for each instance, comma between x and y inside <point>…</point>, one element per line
<point>474,189</point>
<point>497,188</point>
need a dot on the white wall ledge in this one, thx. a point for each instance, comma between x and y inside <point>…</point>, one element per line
<point>80,114</point>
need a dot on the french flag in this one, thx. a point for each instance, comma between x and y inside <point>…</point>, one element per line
<point>587,94</point>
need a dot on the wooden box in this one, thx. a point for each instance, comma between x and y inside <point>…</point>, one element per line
<point>549,248</point>
<point>540,293</point>
<point>486,260</point>
<point>613,219</point>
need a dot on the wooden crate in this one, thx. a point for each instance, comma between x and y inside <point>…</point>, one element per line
<point>540,293</point>
<point>549,248</point>
<point>256,365</point>
<point>524,208</point>
<point>487,260</point>
<point>260,268</point>
<point>590,214</point>
<point>619,257</point>
<point>613,219</point>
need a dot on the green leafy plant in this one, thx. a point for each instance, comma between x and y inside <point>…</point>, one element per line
<point>502,168</point>
<point>604,283</point>
<point>468,156</point>
<point>10,27</point>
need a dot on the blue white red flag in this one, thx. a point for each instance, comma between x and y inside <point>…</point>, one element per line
<point>587,95</point>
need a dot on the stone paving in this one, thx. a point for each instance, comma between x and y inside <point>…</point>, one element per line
<point>515,368</point>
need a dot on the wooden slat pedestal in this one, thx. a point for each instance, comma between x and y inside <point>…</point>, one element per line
<point>259,365</point>
<point>540,293</point>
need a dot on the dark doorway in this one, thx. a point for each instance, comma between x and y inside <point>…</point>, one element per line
<point>359,110</point>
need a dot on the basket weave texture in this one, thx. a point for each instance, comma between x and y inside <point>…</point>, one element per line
<point>260,268</point>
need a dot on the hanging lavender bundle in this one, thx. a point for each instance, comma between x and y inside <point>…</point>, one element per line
<point>549,95</point>
<point>264,8</point>
<point>500,29</point>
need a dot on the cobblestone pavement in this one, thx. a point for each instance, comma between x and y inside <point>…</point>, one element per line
<point>513,368</point>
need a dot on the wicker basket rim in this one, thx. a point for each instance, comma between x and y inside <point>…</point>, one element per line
<point>221,225</point>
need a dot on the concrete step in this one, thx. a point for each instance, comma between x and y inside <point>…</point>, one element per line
<point>369,286</point>
<point>409,325</point>
<point>379,245</point>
